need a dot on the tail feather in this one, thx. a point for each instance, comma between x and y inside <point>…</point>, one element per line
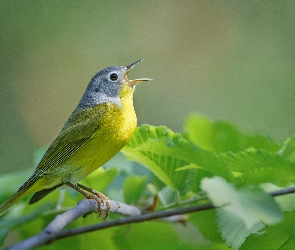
<point>12,200</point>
<point>42,193</point>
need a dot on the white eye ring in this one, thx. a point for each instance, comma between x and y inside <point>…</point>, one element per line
<point>113,77</point>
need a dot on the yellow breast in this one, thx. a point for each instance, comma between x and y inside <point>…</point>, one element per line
<point>117,127</point>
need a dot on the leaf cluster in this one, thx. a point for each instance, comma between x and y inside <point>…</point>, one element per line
<point>209,162</point>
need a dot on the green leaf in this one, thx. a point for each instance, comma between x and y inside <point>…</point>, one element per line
<point>222,136</point>
<point>153,147</point>
<point>206,223</point>
<point>101,239</point>
<point>167,196</point>
<point>251,204</point>
<point>12,222</point>
<point>233,228</point>
<point>101,178</point>
<point>288,149</point>
<point>241,211</point>
<point>163,151</point>
<point>280,236</point>
<point>256,167</point>
<point>200,131</point>
<point>134,187</point>
<point>189,166</point>
<point>155,235</point>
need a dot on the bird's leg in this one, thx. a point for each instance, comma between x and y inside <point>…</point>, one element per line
<point>105,200</point>
<point>87,195</point>
<point>92,194</point>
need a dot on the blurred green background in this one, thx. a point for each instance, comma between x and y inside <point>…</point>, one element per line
<point>231,60</point>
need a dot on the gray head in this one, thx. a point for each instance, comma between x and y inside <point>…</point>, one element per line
<point>105,86</point>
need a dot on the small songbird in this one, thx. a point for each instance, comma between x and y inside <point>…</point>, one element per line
<point>98,128</point>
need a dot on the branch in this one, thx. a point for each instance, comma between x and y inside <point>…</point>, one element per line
<point>83,208</point>
<point>134,219</point>
<point>53,231</point>
<point>283,191</point>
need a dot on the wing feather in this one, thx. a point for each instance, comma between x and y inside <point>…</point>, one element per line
<point>76,132</point>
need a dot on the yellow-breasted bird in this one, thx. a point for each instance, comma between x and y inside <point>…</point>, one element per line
<point>98,128</point>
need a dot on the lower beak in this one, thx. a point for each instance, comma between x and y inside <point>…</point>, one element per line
<point>135,81</point>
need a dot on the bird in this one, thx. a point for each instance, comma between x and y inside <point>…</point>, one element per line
<point>100,126</point>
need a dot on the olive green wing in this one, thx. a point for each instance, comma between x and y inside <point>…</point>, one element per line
<point>77,131</point>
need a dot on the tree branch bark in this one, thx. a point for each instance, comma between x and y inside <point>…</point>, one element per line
<point>53,231</point>
<point>83,208</point>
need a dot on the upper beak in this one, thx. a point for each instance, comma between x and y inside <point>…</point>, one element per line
<point>135,81</point>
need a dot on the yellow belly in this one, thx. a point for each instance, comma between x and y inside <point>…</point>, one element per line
<point>105,144</point>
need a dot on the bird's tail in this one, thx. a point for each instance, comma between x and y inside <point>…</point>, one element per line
<point>12,200</point>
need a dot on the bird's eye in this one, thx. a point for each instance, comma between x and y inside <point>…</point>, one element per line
<point>114,77</point>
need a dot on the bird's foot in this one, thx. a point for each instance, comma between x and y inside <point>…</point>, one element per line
<point>103,201</point>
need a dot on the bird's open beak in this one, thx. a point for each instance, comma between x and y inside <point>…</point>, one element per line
<point>135,81</point>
